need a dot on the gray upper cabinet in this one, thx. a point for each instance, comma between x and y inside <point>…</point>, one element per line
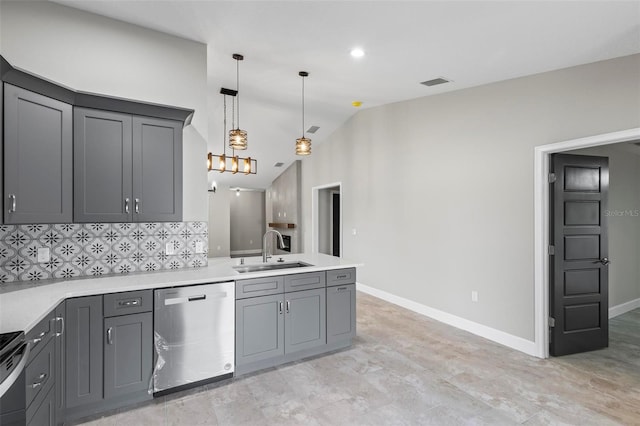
<point>157,171</point>
<point>127,168</point>
<point>38,158</point>
<point>102,166</point>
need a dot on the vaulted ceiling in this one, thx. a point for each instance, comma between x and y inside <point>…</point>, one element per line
<point>405,42</point>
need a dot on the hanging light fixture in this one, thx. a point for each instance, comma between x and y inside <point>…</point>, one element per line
<point>237,137</point>
<point>303,145</point>
<point>218,163</point>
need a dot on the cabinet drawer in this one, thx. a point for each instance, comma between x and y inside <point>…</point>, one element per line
<point>39,335</point>
<point>259,287</point>
<point>38,374</point>
<point>307,281</point>
<point>130,302</point>
<point>341,277</point>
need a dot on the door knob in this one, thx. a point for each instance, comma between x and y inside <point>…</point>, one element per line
<point>605,261</point>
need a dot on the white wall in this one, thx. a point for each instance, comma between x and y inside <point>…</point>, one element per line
<point>247,221</point>
<point>623,220</point>
<point>91,53</point>
<point>220,222</point>
<point>454,212</point>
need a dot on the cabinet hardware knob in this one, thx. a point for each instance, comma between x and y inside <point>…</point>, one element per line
<point>280,308</point>
<point>126,205</point>
<point>605,261</point>
<point>288,306</point>
<point>38,339</point>
<point>341,277</point>
<point>12,197</point>
<point>137,205</point>
<point>110,335</point>
<point>42,378</point>
<point>56,320</point>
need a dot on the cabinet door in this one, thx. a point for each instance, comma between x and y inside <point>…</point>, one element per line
<point>45,413</point>
<point>259,328</point>
<point>128,354</point>
<point>38,157</point>
<point>157,170</point>
<point>84,350</point>
<point>341,313</point>
<point>59,336</point>
<point>102,166</point>
<point>305,320</point>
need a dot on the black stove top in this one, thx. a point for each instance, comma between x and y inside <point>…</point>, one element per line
<point>8,342</point>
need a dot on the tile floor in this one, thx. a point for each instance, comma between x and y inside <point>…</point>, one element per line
<point>405,369</point>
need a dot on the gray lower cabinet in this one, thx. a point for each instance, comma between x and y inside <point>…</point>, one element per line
<point>38,158</point>
<point>281,327</point>
<point>45,414</point>
<point>305,320</point>
<point>341,313</point>
<point>128,354</point>
<point>126,168</point>
<point>59,361</point>
<point>84,351</point>
<point>259,328</point>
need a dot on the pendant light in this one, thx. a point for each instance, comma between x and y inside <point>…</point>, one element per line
<point>218,163</point>
<point>237,137</point>
<point>303,145</point>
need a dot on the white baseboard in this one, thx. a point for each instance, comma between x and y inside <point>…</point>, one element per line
<point>623,308</point>
<point>506,339</point>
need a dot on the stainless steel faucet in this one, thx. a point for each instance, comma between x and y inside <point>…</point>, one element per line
<point>264,243</point>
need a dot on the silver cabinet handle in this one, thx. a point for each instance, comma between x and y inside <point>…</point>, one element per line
<point>61,332</point>
<point>605,261</point>
<point>110,335</point>
<point>38,339</point>
<point>137,205</point>
<point>341,288</point>
<point>341,277</point>
<point>42,378</point>
<point>288,306</point>
<point>126,205</point>
<point>280,308</point>
<point>12,197</point>
<point>129,303</point>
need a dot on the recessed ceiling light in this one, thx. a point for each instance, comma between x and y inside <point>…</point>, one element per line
<point>357,52</point>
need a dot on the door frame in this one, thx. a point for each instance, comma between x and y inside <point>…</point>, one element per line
<point>541,223</point>
<point>315,216</point>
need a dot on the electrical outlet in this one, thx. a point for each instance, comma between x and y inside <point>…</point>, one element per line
<point>474,296</point>
<point>199,247</point>
<point>44,254</point>
<point>169,249</point>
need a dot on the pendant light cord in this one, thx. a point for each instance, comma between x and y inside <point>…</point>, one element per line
<point>238,88</point>
<point>303,106</point>
<point>224,130</point>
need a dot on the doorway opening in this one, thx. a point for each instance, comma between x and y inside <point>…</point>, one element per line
<point>542,223</point>
<point>326,211</point>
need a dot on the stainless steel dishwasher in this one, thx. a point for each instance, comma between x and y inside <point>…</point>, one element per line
<point>194,335</point>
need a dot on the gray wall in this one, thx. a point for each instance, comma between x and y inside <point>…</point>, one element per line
<point>92,53</point>
<point>624,220</point>
<point>284,201</point>
<point>219,222</point>
<point>456,214</point>
<point>247,221</point>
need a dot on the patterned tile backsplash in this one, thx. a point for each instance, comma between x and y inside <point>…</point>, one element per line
<point>95,249</point>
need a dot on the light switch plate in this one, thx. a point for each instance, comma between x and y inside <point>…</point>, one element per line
<point>199,247</point>
<point>44,254</point>
<point>169,249</point>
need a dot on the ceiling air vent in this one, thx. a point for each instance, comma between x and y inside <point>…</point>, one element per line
<point>313,129</point>
<point>435,81</point>
<point>278,164</point>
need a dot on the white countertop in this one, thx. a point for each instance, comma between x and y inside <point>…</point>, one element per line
<point>24,304</point>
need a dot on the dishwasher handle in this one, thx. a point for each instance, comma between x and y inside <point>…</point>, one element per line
<point>195,298</point>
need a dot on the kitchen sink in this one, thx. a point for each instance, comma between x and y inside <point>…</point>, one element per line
<point>269,266</point>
